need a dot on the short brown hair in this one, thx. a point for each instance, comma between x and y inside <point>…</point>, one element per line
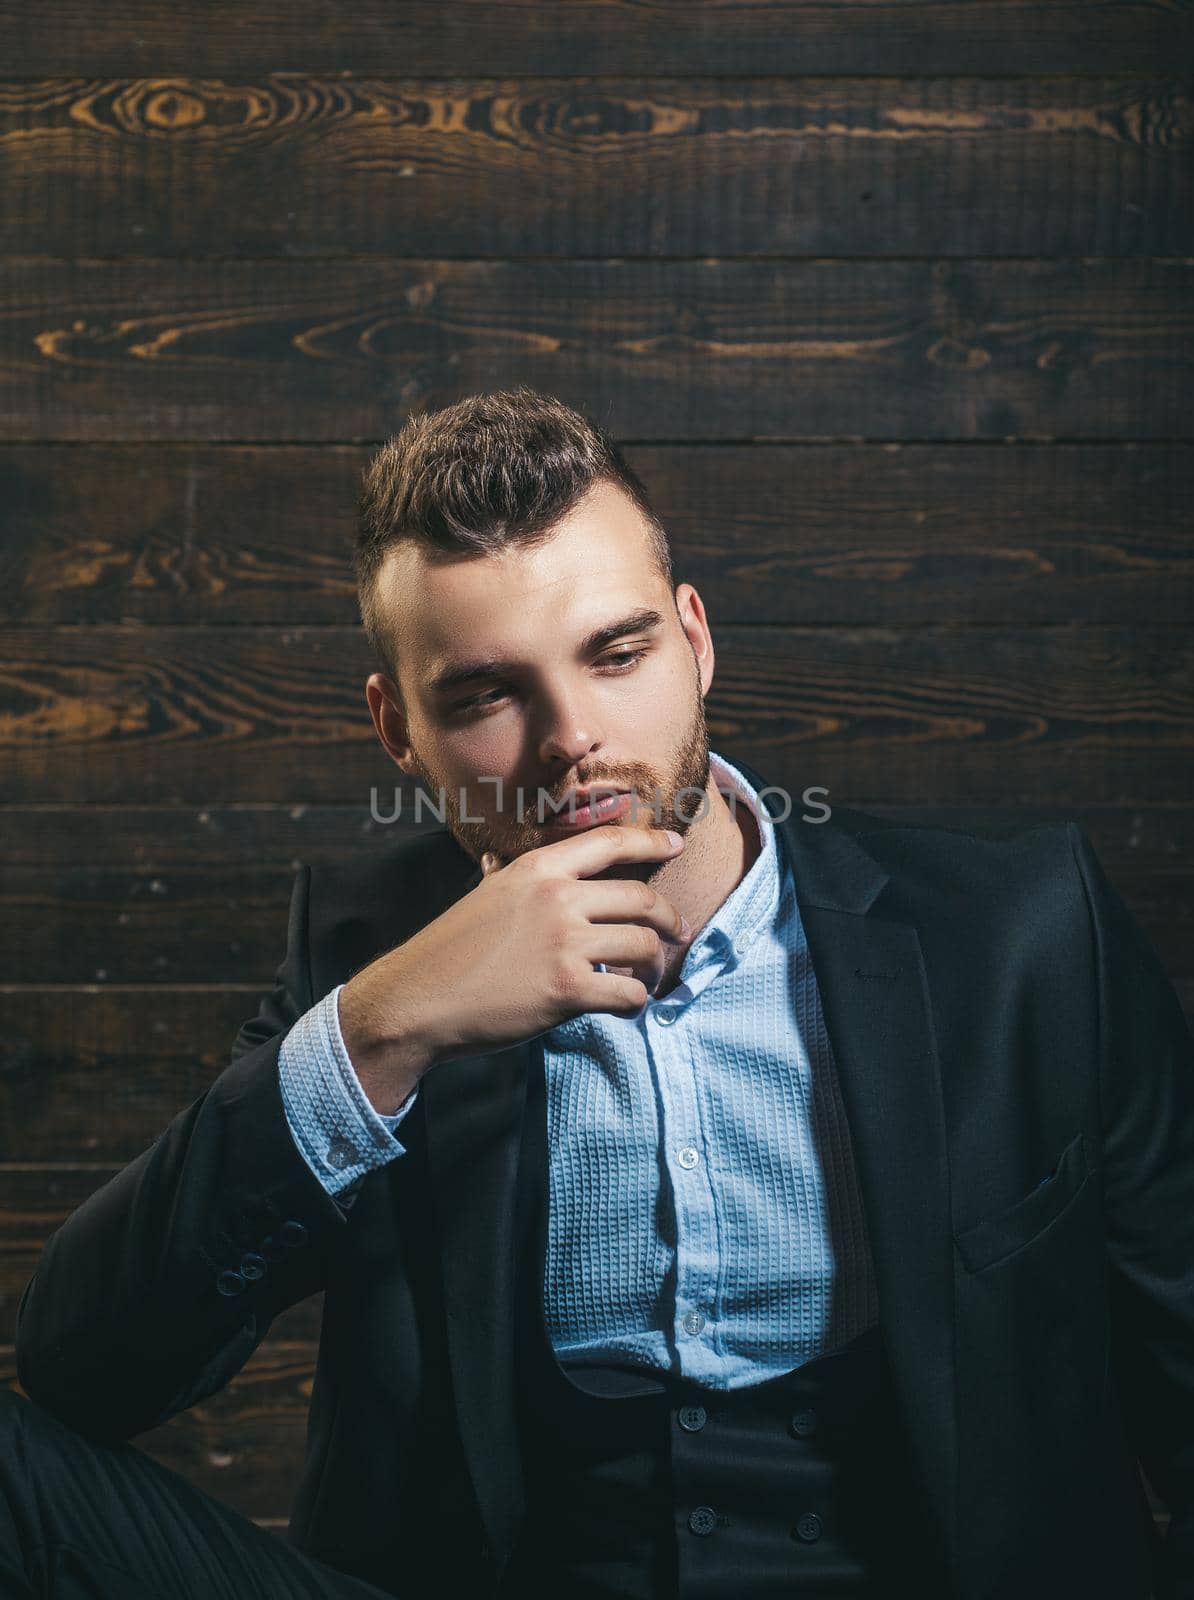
<point>492,470</point>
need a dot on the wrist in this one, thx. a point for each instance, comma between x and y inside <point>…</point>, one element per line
<point>388,1062</point>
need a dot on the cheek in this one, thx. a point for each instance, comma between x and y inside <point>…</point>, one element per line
<point>665,696</point>
<point>486,750</point>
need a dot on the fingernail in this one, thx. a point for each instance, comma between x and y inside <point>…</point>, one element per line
<point>674,837</point>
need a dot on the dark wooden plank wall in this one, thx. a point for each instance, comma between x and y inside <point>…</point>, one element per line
<point>892,304</point>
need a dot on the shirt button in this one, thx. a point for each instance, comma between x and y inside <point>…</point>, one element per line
<point>666,1014</point>
<point>692,1322</point>
<point>803,1423</point>
<point>688,1157</point>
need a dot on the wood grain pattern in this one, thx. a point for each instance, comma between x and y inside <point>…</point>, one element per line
<point>899,534</point>
<point>656,350</point>
<point>152,840</point>
<point>194,903</point>
<point>931,715</point>
<point>606,36</point>
<point>889,301</point>
<point>598,167</point>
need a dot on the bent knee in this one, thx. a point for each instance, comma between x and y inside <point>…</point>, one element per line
<point>12,1405</point>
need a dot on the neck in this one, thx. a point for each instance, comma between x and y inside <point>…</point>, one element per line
<point>721,847</point>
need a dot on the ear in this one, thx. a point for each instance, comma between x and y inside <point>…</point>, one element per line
<point>691,611</point>
<point>389,719</point>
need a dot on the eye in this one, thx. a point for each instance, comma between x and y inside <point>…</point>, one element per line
<point>628,656</point>
<point>479,701</point>
<point>618,661</point>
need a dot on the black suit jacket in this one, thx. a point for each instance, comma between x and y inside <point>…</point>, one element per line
<point>1019,1083</point>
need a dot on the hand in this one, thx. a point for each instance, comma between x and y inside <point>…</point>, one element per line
<point>513,958</point>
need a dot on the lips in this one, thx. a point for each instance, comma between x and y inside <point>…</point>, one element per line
<point>599,791</point>
<point>579,812</point>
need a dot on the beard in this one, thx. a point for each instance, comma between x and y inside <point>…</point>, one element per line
<point>675,798</point>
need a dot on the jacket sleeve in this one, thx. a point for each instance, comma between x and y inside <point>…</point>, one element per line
<point>1146,1095</point>
<point>156,1290</point>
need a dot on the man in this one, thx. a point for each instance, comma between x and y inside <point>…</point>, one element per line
<point>708,1199</point>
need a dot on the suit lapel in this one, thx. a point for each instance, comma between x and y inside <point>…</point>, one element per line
<point>871,977</point>
<point>473,1112</point>
<point>473,1108</point>
<point>874,994</point>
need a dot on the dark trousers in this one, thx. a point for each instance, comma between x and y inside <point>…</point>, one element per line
<point>87,1521</point>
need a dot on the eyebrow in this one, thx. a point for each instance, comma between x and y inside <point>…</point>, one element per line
<point>466,672</point>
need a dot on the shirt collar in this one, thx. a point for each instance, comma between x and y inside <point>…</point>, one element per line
<point>749,909</point>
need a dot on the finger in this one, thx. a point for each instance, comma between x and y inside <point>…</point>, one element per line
<point>623,944</point>
<point>619,995</point>
<point>628,900</point>
<point>601,847</point>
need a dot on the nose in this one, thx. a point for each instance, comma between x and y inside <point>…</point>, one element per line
<point>570,733</point>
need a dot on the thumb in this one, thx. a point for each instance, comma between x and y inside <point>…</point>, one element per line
<point>489,864</point>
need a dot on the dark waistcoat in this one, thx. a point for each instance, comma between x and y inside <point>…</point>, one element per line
<point>642,1485</point>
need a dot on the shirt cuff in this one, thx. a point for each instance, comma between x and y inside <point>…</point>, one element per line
<point>338,1131</point>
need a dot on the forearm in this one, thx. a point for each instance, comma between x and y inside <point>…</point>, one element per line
<point>139,1301</point>
<point>139,1305</point>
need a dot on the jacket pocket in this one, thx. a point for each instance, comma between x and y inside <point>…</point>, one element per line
<point>996,1237</point>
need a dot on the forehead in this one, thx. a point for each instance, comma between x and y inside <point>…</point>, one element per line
<point>599,563</point>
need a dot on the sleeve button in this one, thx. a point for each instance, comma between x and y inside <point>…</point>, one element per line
<point>342,1154</point>
<point>230,1282</point>
<point>252,1266</point>
<point>293,1235</point>
<point>271,1248</point>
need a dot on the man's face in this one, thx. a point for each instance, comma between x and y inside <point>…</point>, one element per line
<point>548,707</point>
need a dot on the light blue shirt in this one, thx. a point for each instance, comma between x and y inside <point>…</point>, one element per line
<point>704,1211</point>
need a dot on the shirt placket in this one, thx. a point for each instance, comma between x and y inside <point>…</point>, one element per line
<point>666,1024</point>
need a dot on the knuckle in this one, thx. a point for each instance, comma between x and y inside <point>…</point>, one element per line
<point>551,892</point>
<point>533,865</point>
<point>566,981</point>
<point>646,896</point>
<point>565,938</point>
